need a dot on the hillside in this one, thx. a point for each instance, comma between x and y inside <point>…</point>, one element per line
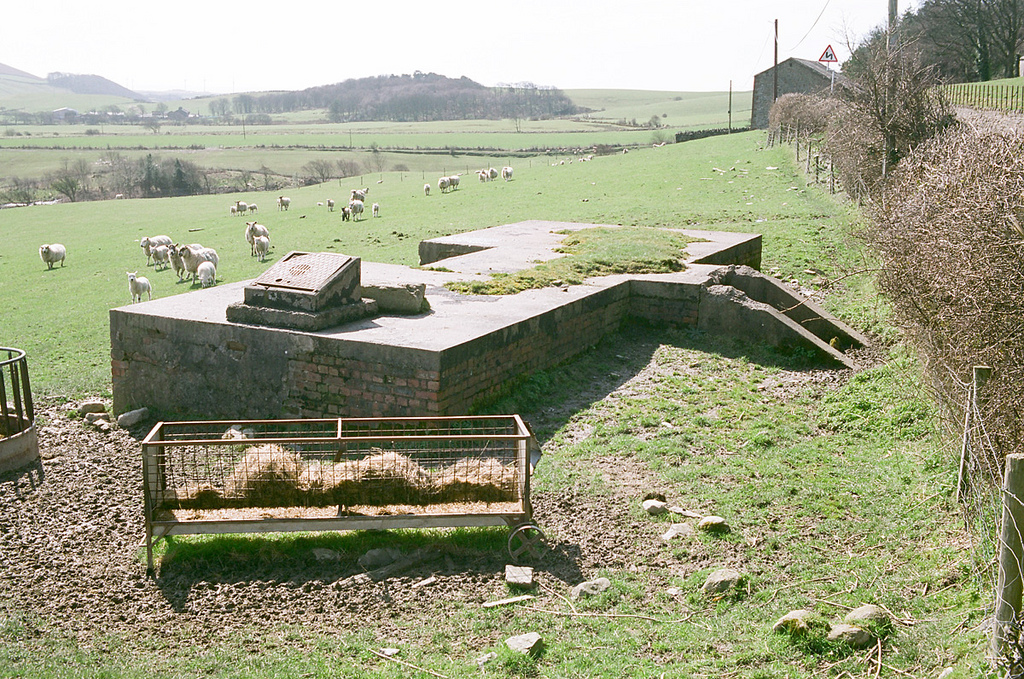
<point>89,84</point>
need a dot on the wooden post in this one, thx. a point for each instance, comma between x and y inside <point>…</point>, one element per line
<point>1011,553</point>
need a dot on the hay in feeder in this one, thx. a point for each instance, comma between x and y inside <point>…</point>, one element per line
<point>266,476</point>
<point>383,478</point>
<point>193,496</point>
<point>477,480</point>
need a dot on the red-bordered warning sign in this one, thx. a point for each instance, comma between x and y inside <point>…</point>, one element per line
<point>829,55</point>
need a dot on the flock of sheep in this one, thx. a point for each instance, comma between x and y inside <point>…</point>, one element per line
<point>197,263</point>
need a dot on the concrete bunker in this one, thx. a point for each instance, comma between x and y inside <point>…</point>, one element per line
<point>211,354</point>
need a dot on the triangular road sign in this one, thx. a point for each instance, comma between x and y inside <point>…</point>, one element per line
<point>829,55</point>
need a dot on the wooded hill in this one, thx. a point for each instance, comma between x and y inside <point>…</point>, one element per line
<point>407,98</point>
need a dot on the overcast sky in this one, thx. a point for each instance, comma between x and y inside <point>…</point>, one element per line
<point>223,47</point>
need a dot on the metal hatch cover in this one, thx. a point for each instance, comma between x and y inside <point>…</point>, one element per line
<point>304,271</point>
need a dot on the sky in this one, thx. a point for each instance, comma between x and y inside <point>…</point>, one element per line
<point>226,47</point>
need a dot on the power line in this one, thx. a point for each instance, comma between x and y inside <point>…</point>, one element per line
<point>812,26</point>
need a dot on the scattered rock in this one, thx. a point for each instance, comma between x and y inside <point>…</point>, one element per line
<point>685,512</point>
<point>103,426</point>
<point>713,524</point>
<point>375,558</point>
<point>590,587</point>
<point>425,582</point>
<point>677,530</point>
<point>486,658</point>
<point>722,580</point>
<point>92,418</point>
<point>946,673</point>
<point>795,622</point>
<point>673,591</point>
<point>527,644</point>
<point>321,554</point>
<point>92,406</point>
<point>389,652</point>
<point>655,507</point>
<point>519,576</point>
<point>853,636</point>
<point>132,417</point>
<point>867,613</point>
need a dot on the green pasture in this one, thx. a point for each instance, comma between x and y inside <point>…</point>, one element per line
<point>60,316</point>
<point>678,110</point>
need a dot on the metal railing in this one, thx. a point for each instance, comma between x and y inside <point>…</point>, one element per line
<point>19,414</point>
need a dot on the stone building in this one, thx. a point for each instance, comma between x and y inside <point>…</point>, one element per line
<point>796,76</point>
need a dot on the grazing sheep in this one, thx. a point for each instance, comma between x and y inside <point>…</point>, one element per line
<point>359,194</point>
<point>148,243</point>
<point>241,207</point>
<point>253,208</point>
<point>283,202</point>
<point>176,262</point>
<point>252,230</point>
<point>261,245</point>
<point>506,173</point>
<point>426,189</point>
<point>453,182</point>
<point>375,210</point>
<point>52,253</point>
<point>442,184</point>
<point>357,208</point>
<point>492,173</point>
<point>346,214</point>
<point>193,255</point>
<point>161,255</point>
<point>330,205</point>
<point>137,285</point>
<point>207,273</point>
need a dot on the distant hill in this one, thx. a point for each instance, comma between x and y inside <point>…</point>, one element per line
<point>90,84</point>
<point>8,70</point>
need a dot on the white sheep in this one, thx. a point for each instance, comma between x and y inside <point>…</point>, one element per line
<point>483,176</point>
<point>330,205</point>
<point>453,182</point>
<point>241,207</point>
<point>207,273</point>
<point>357,208</point>
<point>193,255</point>
<point>261,246</point>
<point>426,189</point>
<point>442,184</point>
<point>176,262</point>
<point>375,210</point>
<point>283,202</point>
<point>359,194</point>
<point>148,243</point>
<point>233,210</point>
<point>137,285</point>
<point>253,208</point>
<point>161,255</point>
<point>118,196</point>
<point>492,173</point>
<point>252,230</point>
<point>52,253</point>
<point>506,173</point>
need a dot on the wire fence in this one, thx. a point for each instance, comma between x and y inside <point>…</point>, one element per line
<point>1007,98</point>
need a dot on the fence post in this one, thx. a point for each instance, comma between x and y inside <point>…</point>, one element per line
<point>1008,589</point>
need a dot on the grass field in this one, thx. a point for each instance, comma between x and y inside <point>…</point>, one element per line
<point>839,491</point>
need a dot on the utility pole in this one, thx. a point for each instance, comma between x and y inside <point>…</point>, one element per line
<point>730,107</point>
<point>775,70</point>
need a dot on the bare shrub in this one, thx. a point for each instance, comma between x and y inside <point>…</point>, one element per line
<point>949,230</point>
<point>808,112</point>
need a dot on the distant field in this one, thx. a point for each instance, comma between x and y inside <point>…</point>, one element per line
<point>676,109</point>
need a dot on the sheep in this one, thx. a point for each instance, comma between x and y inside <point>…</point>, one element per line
<point>492,173</point>
<point>148,243</point>
<point>426,189</point>
<point>375,210</point>
<point>137,285</point>
<point>346,214</point>
<point>51,254</point>
<point>482,176</point>
<point>442,184</point>
<point>283,202</point>
<point>261,245</point>
<point>207,273</point>
<point>253,208</point>
<point>330,205</point>
<point>194,254</point>
<point>241,207</point>
<point>252,230</point>
<point>357,208</point>
<point>118,196</point>
<point>359,194</point>
<point>319,204</point>
<point>453,182</point>
<point>161,255</point>
<point>506,173</point>
<point>176,262</point>
<point>233,210</point>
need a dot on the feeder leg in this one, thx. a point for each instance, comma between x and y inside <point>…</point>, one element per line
<point>525,539</point>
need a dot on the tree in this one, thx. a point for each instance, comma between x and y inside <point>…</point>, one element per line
<point>19,191</point>
<point>67,185</point>
<point>153,125</point>
<point>320,170</point>
<point>377,161</point>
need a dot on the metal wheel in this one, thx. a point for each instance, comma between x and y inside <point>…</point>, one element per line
<point>525,539</point>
